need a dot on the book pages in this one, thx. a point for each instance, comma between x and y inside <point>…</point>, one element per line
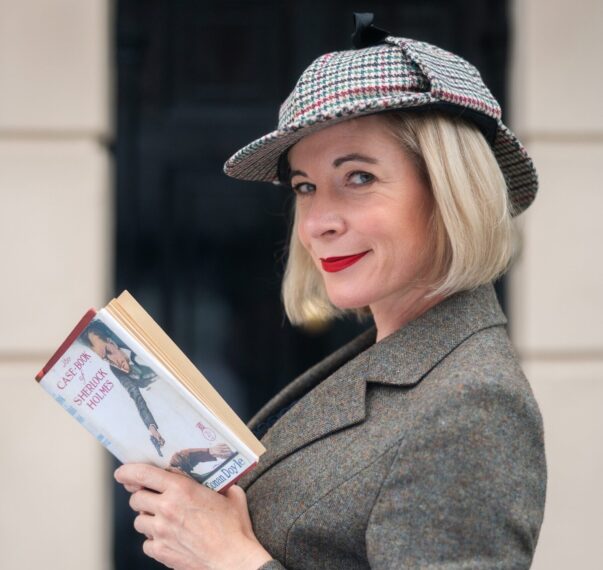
<point>132,315</point>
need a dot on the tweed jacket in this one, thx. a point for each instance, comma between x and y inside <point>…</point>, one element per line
<point>423,450</point>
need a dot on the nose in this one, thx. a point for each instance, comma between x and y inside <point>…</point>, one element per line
<point>323,216</point>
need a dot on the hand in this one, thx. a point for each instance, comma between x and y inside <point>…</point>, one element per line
<point>221,451</point>
<point>155,433</point>
<point>187,525</point>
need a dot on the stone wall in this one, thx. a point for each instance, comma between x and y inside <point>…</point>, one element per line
<point>556,290</point>
<point>55,247</point>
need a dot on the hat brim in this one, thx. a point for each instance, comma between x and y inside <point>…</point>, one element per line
<point>517,168</point>
<point>258,161</point>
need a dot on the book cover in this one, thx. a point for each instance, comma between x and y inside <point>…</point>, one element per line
<point>133,405</point>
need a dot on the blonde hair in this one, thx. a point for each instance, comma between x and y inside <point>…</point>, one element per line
<point>474,237</point>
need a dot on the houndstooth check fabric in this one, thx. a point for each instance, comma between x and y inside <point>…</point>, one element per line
<point>397,74</point>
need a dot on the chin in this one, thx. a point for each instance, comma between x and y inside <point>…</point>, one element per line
<point>348,301</point>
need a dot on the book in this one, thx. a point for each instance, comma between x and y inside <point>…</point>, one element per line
<point>124,380</point>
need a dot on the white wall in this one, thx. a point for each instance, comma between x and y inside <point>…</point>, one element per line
<point>556,290</point>
<point>55,243</point>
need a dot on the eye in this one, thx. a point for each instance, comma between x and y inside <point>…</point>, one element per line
<point>303,188</point>
<point>359,177</point>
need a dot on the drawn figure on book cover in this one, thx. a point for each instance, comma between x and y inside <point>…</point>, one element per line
<point>132,375</point>
<point>186,460</point>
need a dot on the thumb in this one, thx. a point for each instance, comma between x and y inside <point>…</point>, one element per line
<point>239,500</point>
<point>235,494</point>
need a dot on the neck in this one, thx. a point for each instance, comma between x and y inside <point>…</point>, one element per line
<point>392,314</point>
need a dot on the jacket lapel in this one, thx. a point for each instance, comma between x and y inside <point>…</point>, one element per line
<point>333,392</point>
<point>332,397</point>
<point>313,376</point>
<point>406,356</point>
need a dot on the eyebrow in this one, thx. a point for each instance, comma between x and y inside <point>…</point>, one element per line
<point>339,161</point>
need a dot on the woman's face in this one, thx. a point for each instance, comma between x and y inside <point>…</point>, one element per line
<point>360,197</point>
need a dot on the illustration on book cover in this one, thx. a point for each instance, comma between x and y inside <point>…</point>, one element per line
<point>105,383</point>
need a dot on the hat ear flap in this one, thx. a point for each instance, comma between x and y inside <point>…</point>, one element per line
<point>451,78</point>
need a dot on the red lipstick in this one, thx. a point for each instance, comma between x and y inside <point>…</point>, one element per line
<point>333,264</point>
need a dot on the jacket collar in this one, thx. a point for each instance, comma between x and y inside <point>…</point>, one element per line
<point>335,388</point>
<point>404,357</point>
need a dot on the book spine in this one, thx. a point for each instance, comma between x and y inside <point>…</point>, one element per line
<point>84,322</point>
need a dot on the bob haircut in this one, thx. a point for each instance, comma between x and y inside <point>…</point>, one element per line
<point>474,237</point>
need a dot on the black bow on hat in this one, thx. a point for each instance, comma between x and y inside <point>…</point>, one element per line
<point>365,34</point>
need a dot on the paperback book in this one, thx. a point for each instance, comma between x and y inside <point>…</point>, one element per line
<point>123,379</point>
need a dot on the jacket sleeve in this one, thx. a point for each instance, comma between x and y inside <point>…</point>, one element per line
<point>467,486</point>
<point>141,405</point>
<point>272,565</point>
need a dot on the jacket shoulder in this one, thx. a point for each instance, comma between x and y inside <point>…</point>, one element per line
<point>481,376</point>
<point>471,448</point>
<point>486,363</point>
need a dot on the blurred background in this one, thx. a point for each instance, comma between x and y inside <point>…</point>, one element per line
<point>115,120</point>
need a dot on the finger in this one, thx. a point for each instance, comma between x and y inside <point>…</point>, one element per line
<point>143,524</point>
<point>237,496</point>
<point>143,475</point>
<point>132,488</point>
<point>234,492</point>
<point>160,551</point>
<point>145,501</point>
<point>239,500</point>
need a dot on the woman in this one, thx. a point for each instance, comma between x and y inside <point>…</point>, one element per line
<point>419,444</point>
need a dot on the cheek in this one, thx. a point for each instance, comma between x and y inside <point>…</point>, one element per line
<point>302,233</point>
<point>416,215</point>
<point>405,238</point>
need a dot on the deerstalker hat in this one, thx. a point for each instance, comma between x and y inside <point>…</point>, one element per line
<point>387,73</point>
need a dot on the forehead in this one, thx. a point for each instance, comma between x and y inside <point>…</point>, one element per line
<point>370,133</point>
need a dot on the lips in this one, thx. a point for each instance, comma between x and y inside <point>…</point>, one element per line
<point>334,264</point>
